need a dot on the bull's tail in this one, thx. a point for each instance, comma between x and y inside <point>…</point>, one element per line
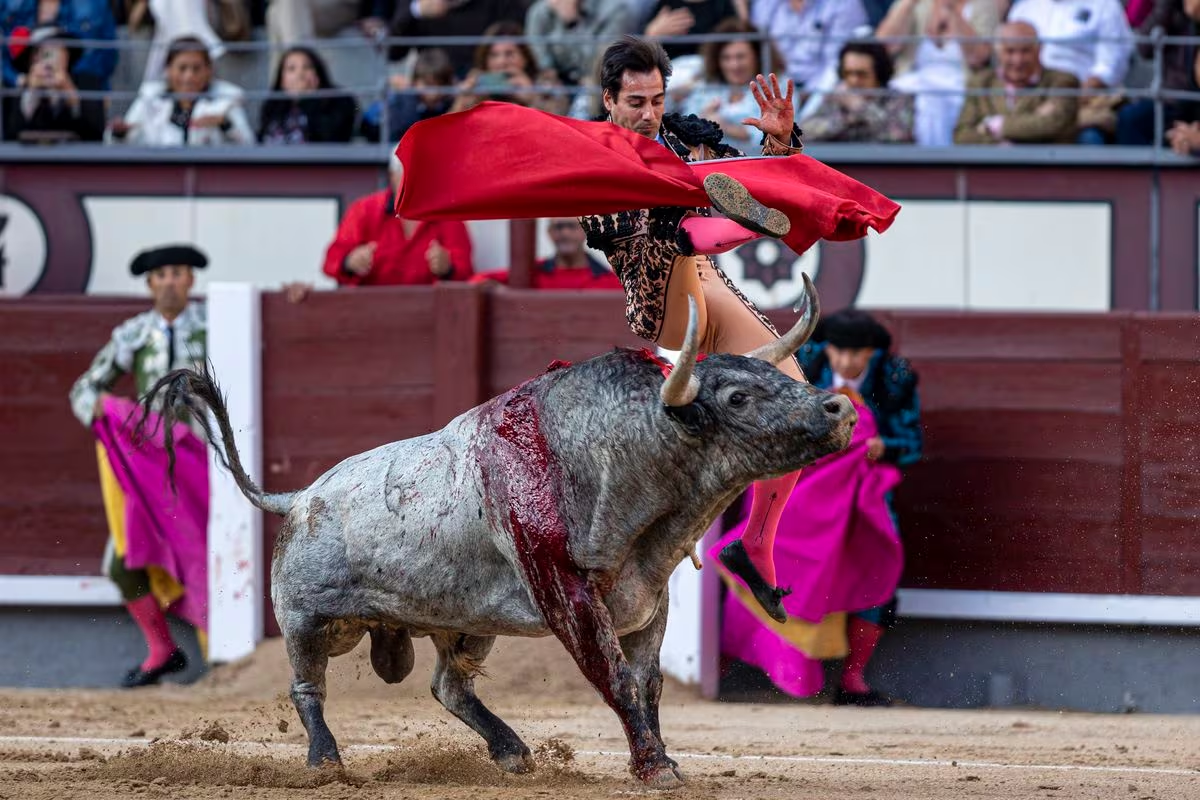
<point>187,393</point>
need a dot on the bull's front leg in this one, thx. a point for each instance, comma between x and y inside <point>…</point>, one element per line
<point>643,650</point>
<point>527,482</point>
<point>581,621</point>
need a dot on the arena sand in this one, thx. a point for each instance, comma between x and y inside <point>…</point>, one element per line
<point>234,734</point>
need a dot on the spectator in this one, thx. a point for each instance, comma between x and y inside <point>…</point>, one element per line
<point>1096,43</point>
<point>508,70</point>
<point>571,266</point>
<point>862,109</point>
<point>838,544</point>
<point>810,34</point>
<point>374,247</point>
<point>689,18</point>
<point>156,553</point>
<point>1135,121</point>
<point>935,68</point>
<point>174,19</point>
<point>1020,111</point>
<point>189,108</point>
<point>291,22</point>
<point>599,19</point>
<point>452,18</point>
<point>724,97</point>
<point>83,19</point>
<point>431,71</point>
<point>49,107</point>
<point>300,117</point>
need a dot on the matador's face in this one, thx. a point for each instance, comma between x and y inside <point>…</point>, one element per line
<point>639,104</point>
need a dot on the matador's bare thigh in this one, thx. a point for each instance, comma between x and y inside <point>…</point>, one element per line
<point>733,325</point>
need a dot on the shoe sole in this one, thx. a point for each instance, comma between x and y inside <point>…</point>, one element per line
<point>734,200</point>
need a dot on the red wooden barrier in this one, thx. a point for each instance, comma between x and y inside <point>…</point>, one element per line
<point>1060,456</point>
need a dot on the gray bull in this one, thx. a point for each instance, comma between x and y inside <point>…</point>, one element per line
<point>560,507</point>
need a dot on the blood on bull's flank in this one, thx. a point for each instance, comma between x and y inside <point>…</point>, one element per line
<point>561,507</point>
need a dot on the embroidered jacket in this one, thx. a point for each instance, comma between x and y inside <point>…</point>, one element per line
<point>140,345</point>
<point>889,390</point>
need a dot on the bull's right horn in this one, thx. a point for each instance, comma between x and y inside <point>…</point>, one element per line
<point>779,350</point>
<point>681,387</point>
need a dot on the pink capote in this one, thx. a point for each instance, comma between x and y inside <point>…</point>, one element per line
<point>837,549</point>
<point>505,161</point>
<point>161,529</point>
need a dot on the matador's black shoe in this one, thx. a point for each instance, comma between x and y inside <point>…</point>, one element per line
<point>176,662</point>
<point>734,200</point>
<point>736,560</point>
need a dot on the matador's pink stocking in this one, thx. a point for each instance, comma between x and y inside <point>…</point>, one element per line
<point>770,496</point>
<point>713,235</point>
<point>751,557</point>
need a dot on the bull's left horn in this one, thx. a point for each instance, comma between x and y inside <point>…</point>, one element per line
<point>681,387</point>
<point>780,349</point>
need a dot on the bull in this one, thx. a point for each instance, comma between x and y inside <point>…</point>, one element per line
<point>559,507</point>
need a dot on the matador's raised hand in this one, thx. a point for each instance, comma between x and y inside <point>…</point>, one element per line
<point>776,112</point>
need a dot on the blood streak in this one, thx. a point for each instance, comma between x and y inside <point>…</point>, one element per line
<point>570,606</point>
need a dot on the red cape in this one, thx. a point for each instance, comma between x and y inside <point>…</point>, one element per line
<point>505,161</point>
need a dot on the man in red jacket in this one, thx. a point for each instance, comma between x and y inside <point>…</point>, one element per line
<point>571,267</point>
<point>374,247</point>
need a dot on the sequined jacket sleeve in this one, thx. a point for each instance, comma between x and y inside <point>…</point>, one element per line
<point>100,377</point>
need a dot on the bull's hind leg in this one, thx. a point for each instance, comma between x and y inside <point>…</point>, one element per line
<point>460,658</point>
<point>308,647</point>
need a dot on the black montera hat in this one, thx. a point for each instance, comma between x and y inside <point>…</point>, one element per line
<point>167,255</point>
<point>852,329</point>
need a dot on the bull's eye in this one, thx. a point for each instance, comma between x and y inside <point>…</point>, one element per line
<point>738,399</point>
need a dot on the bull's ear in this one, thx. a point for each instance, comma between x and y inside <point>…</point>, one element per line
<point>689,417</point>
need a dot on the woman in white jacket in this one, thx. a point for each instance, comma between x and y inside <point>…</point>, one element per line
<point>188,108</point>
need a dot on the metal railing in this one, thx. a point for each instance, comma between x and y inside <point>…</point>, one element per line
<point>379,89</point>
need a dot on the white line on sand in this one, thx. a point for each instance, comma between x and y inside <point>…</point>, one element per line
<point>883,762</point>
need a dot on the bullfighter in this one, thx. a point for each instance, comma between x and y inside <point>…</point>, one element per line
<point>157,548</point>
<point>645,184</point>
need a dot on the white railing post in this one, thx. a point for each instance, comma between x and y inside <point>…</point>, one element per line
<point>235,554</point>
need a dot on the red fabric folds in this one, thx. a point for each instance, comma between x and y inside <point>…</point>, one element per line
<point>504,161</point>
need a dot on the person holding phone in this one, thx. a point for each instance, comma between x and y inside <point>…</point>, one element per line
<point>50,108</point>
<point>508,71</point>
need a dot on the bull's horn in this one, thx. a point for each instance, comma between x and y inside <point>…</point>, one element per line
<point>780,349</point>
<point>681,387</point>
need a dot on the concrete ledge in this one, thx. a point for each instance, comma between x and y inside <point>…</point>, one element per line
<point>1100,609</point>
<point>58,590</point>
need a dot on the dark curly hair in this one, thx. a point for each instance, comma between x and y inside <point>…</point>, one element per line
<point>631,53</point>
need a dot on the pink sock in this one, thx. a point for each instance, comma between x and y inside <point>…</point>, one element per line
<point>153,622</point>
<point>770,496</point>
<point>863,637</point>
<point>713,235</point>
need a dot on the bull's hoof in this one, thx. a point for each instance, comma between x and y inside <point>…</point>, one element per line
<point>323,754</point>
<point>325,762</point>
<point>661,776</point>
<point>515,763</point>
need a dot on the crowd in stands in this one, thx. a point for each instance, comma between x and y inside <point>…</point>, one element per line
<point>930,72</point>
